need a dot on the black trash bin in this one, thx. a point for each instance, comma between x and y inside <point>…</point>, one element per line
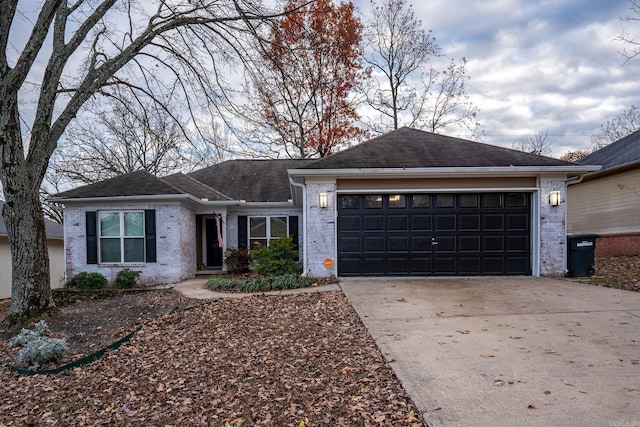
<point>581,255</point>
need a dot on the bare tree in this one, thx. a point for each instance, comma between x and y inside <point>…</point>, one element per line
<point>406,90</point>
<point>79,49</point>
<point>620,126</point>
<point>574,155</point>
<point>632,51</point>
<point>538,144</point>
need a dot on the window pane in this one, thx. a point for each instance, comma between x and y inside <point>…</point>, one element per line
<point>257,244</point>
<point>349,202</point>
<point>373,202</point>
<point>517,199</point>
<point>133,224</point>
<point>420,201</point>
<point>492,200</point>
<point>110,250</point>
<point>397,201</point>
<point>278,226</point>
<point>258,227</point>
<point>109,224</point>
<point>133,250</point>
<point>468,200</point>
<point>444,200</point>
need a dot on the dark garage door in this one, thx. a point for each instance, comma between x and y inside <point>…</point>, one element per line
<point>434,234</point>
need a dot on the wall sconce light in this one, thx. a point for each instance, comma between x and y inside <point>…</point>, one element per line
<point>554,198</point>
<point>323,200</point>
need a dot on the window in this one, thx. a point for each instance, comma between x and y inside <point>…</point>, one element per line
<point>121,237</point>
<point>263,229</point>
<point>444,200</point>
<point>349,202</point>
<point>420,201</point>
<point>373,202</point>
<point>397,201</point>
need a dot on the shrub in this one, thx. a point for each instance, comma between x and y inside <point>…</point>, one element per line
<point>237,260</point>
<point>37,347</point>
<point>125,279</point>
<point>87,281</point>
<point>277,259</point>
<point>260,284</point>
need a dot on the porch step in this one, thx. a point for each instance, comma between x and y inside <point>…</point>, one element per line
<point>209,272</point>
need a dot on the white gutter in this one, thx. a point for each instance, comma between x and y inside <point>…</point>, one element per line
<point>304,223</point>
<point>444,171</point>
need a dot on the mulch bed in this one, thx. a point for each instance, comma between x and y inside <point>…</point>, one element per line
<point>296,360</point>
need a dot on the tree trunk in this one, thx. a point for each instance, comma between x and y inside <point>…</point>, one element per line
<point>31,289</point>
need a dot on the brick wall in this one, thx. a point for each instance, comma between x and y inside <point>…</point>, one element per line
<point>618,244</point>
<point>552,229</point>
<point>321,230</point>
<point>175,247</point>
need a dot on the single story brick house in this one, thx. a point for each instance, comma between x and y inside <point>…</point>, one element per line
<point>606,202</point>
<point>405,203</point>
<point>55,247</point>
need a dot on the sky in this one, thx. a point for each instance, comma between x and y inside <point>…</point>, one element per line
<point>538,65</point>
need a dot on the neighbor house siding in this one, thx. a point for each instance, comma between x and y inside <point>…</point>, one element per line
<point>607,205</point>
<point>175,243</point>
<point>56,265</point>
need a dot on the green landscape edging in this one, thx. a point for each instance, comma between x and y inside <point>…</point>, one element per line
<point>82,361</point>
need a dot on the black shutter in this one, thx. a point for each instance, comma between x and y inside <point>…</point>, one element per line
<point>243,236</point>
<point>293,230</point>
<point>91,227</point>
<point>150,234</point>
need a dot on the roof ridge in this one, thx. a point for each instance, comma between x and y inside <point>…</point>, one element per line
<point>200,183</point>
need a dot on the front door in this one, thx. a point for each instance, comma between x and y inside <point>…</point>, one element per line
<point>214,250</point>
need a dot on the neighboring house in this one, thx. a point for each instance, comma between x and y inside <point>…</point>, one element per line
<point>406,203</point>
<point>607,202</point>
<point>55,245</point>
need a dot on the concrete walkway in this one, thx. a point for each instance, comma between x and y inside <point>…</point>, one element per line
<point>508,351</point>
<point>197,288</point>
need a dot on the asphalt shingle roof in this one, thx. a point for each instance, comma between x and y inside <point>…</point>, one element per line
<point>411,148</point>
<point>139,183</point>
<point>625,150</point>
<point>53,230</point>
<point>192,186</point>
<point>251,180</point>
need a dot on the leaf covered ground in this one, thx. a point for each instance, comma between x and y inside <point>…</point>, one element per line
<point>296,360</point>
<point>621,272</point>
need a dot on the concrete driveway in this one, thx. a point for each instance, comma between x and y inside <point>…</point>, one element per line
<point>508,351</point>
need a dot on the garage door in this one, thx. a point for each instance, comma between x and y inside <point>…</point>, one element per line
<point>434,234</point>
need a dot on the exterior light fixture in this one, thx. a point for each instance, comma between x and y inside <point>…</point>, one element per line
<point>323,200</point>
<point>554,198</point>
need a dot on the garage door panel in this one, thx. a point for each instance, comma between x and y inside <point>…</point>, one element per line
<point>469,244</point>
<point>398,265</point>
<point>493,222</point>
<point>444,266</point>
<point>350,223</point>
<point>493,265</point>
<point>445,244</point>
<point>469,265</point>
<point>398,244</point>
<point>350,245</point>
<point>350,266</point>
<point>515,265</point>
<point>421,265</point>
<point>517,222</point>
<point>445,222</point>
<point>398,223</point>
<point>420,244</point>
<point>517,243</point>
<point>374,223</point>
<point>374,266</point>
<point>421,222</point>
<point>469,222</point>
<point>493,243</point>
<point>373,244</point>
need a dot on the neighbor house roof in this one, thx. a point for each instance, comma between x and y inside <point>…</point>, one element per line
<point>251,180</point>
<point>53,230</point>
<point>411,148</point>
<point>617,154</point>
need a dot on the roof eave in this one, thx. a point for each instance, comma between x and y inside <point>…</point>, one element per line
<point>446,171</point>
<point>149,197</point>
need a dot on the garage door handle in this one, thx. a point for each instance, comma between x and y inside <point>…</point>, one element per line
<point>434,241</point>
